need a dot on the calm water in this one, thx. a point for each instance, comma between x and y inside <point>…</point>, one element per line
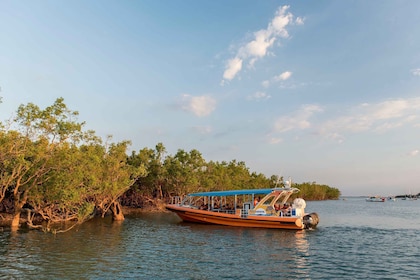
<point>355,240</point>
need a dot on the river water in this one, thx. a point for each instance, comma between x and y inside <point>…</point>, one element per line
<point>354,240</point>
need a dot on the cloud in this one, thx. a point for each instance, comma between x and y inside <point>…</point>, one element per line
<point>233,67</point>
<point>413,153</point>
<point>298,121</point>
<point>390,109</point>
<point>274,140</point>
<point>265,84</point>
<point>415,72</point>
<point>283,76</point>
<point>262,41</point>
<point>199,105</point>
<point>336,137</point>
<point>259,46</point>
<point>380,117</point>
<point>259,96</point>
<point>279,23</point>
<point>300,21</point>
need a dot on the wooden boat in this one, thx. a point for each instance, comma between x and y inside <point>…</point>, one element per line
<point>375,199</point>
<point>243,208</point>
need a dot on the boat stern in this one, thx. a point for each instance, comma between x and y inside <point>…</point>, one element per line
<point>310,221</point>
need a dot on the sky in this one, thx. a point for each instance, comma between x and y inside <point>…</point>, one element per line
<point>321,91</point>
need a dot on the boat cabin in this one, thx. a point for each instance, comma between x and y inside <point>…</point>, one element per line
<point>258,202</point>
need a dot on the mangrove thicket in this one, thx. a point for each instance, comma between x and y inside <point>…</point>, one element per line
<point>53,171</point>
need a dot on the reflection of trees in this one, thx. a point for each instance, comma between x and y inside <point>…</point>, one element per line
<point>90,249</point>
<point>150,246</point>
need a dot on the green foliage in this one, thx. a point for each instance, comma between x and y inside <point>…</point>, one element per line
<point>63,173</point>
<point>85,211</point>
<point>314,191</point>
<point>187,172</point>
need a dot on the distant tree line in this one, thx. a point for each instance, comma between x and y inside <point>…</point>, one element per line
<point>52,171</point>
<point>187,172</point>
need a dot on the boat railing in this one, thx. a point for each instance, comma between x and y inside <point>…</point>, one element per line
<point>243,213</point>
<point>176,200</point>
<point>226,211</point>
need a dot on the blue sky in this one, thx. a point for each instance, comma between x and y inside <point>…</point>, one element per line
<point>324,91</point>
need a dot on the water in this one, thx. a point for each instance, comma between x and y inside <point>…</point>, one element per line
<point>354,240</point>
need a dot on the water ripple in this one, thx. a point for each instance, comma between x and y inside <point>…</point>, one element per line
<point>152,246</point>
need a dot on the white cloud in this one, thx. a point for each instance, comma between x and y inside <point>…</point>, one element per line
<point>299,120</point>
<point>336,137</point>
<point>280,78</point>
<point>274,140</point>
<point>262,40</point>
<point>389,109</point>
<point>379,117</point>
<point>415,72</point>
<point>259,96</point>
<point>265,84</point>
<point>199,105</point>
<point>387,126</point>
<point>233,67</point>
<point>413,153</point>
<point>281,20</point>
<point>300,21</point>
<point>283,76</point>
<point>259,46</point>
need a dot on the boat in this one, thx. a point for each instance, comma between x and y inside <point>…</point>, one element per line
<point>412,197</point>
<point>246,208</point>
<point>375,199</point>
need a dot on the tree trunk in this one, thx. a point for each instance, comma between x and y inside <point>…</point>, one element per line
<point>16,221</point>
<point>117,214</point>
<point>19,201</point>
<point>16,213</point>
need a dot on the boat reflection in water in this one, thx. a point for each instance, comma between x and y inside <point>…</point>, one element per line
<point>244,208</point>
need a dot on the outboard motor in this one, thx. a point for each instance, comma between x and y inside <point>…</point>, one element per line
<point>311,220</point>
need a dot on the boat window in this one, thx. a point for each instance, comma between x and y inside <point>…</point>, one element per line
<point>281,199</point>
<point>269,200</point>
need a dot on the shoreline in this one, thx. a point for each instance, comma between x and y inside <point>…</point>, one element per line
<point>6,218</point>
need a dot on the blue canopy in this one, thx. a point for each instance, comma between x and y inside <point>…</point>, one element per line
<point>235,192</point>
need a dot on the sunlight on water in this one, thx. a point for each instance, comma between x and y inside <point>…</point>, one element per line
<point>354,240</point>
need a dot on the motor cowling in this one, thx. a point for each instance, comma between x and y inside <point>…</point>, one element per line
<point>311,220</point>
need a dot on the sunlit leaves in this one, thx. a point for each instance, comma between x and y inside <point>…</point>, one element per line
<point>58,170</point>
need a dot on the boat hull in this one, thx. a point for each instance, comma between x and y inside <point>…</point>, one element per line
<point>211,217</point>
<point>375,199</point>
